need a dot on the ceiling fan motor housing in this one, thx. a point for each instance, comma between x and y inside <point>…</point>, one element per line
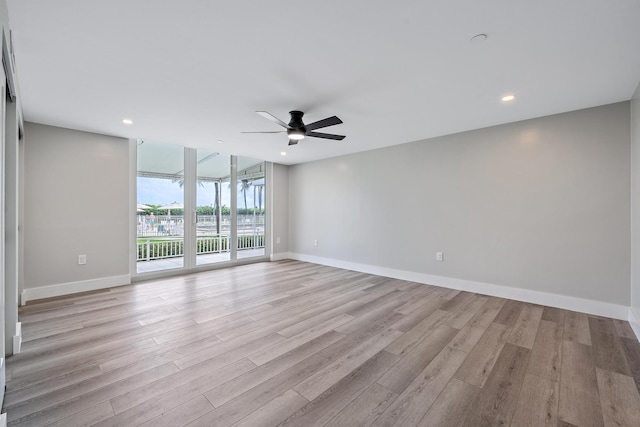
<point>296,120</point>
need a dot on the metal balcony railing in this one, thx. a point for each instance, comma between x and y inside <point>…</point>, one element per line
<point>168,248</point>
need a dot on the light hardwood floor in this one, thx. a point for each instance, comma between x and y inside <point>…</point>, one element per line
<point>292,343</point>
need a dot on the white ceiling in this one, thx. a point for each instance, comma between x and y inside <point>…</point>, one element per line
<point>194,72</point>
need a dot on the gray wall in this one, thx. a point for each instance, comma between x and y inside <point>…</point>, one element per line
<point>635,203</point>
<point>76,202</point>
<point>280,194</point>
<point>540,205</point>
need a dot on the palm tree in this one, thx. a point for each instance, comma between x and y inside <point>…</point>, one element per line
<point>244,186</point>
<point>216,206</point>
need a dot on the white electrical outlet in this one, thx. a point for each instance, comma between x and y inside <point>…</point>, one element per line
<point>439,256</point>
<point>315,242</point>
<point>277,240</point>
<point>82,259</point>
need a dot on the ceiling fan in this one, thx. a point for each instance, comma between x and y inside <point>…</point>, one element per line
<point>297,130</point>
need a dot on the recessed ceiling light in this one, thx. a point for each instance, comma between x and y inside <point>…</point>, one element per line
<point>508,98</point>
<point>283,153</point>
<point>220,141</point>
<point>478,38</point>
<point>127,121</point>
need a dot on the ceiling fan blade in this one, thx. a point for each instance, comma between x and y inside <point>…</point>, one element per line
<point>329,121</point>
<point>325,135</point>
<point>267,131</point>
<point>293,141</point>
<point>273,118</point>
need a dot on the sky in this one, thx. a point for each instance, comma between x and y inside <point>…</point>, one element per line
<point>157,191</point>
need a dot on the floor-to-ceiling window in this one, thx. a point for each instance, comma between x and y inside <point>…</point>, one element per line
<point>160,207</point>
<point>213,207</point>
<point>197,207</point>
<point>251,207</point>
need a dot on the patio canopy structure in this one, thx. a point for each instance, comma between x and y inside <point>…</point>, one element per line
<point>154,160</point>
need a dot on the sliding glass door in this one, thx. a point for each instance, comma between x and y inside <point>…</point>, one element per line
<point>197,207</point>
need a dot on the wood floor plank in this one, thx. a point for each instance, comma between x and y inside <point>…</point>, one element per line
<point>562,423</point>
<point>74,349</point>
<point>453,406</point>
<point>546,356</point>
<point>509,313</point>
<point>412,405</point>
<point>275,411</point>
<point>338,397</point>
<point>176,396</point>
<point>331,374</point>
<point>471,333</point>
<point>88,417</point>
<point>607,350</point>
<point>365,408</point>
<point>619,398</point>
<point>631,348</point>
<point>459,318</point>
<point>479,364</point>
<point>241,346</point>
<point>576,327</point>
<point>259,395</point>
<point>72,391</point>
<point>526,327</point>
<point>53,330</point>
<point>157,388</point>
<point>416,300</point>
<point>601,325</point>
<point>623,329</point>
<point>538,403</point>
<point>14,396</point>
<point>33,373</point>
<point>181,414</point>
<point>168,352</point>
<point>418,315</point>
<point>281,347</point>
<point>497,401</point>
<point>405,371</point>
<point>579,401</point>
<point>552,314</point>
<point>56,407</point>
<point>414,335</point>
<point>457,301</point>
<point>241,384</point>
<point>362,320</point>
<point>310,322</point>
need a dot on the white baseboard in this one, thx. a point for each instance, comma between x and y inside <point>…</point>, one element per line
<point>30,294</point>
<point>17,338</point>
<point>634,321</point>
<point>280,256</point>
<point>582,305</point>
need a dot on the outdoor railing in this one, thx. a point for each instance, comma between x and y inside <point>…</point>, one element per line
<point>157,249</point>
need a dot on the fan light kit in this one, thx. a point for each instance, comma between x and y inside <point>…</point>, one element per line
<point>297,130</point>
<point>295,134</point>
